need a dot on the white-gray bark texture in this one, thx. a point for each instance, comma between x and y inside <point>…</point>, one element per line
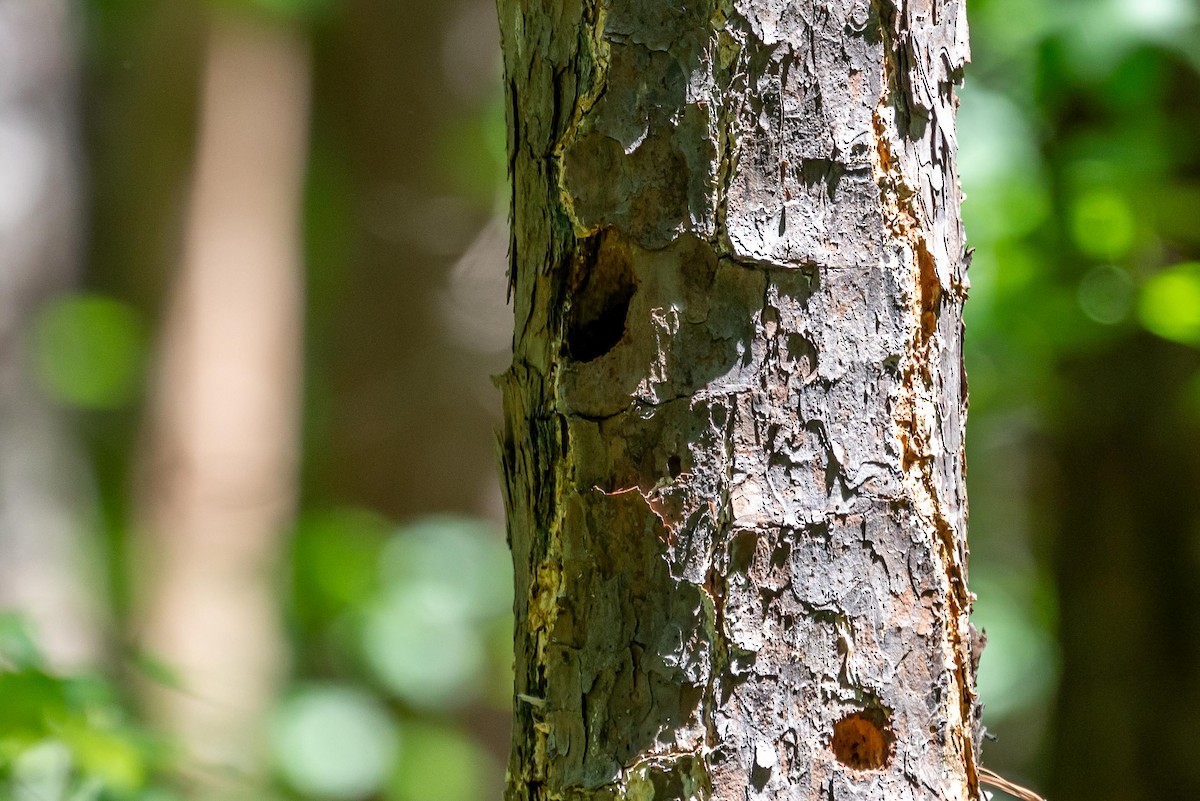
<point>734,419</point>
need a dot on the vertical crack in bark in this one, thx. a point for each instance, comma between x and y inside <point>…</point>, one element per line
<point>730,59</point>
<point>916,412</point>
<point>545,595</point>
<point>595,54</point>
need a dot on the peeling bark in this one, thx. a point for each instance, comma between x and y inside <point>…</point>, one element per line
<point>734,420</point>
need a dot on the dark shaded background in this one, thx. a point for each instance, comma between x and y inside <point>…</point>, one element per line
<point>1080,154</point>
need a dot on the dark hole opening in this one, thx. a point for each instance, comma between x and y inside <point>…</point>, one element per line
<point>600,302</point>
<point>674,465</point>
<point>741,551</point>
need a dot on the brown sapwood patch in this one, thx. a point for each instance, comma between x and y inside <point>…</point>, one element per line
<point>863,740</point>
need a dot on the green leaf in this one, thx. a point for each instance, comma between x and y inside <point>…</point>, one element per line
<point>32,702</point>
<point>42,772</point>
<point>111,756</point>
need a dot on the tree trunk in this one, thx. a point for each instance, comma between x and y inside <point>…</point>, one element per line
<point>47,548</point>
<point>219,467</point>
<point>733,441</point>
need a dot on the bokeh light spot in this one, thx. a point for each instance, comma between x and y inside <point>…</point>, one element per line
<point>335,742</point>
<point>88,351</point>
<point>1106,294</point>
<point>1170,304</point>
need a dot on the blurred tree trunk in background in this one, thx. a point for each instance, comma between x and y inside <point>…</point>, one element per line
<point>735,412</point>
<point>396,85</point>
<point>46,549</point>
<point>219,479</point>
<point>406,274</point>
<point>1127,502</point>
<point>385,369</point>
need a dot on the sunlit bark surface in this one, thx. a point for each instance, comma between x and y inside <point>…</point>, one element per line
<point>735,413</point>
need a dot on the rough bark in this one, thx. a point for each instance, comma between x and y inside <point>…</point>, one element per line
<point>733,441</point>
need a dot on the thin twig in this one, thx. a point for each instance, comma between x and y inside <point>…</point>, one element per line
<point>1000,783</point>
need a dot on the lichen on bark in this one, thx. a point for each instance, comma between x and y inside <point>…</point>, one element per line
<point>733,440</point>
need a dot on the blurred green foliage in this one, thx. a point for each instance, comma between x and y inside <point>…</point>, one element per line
<point>1170,303</point>
<point>89,350</point>
<point>68,737</point>
<point>1079,159</point>
<point>410,625</point>
<point>417,622</point>
<point>335,742</point>
<point>471,151</point>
